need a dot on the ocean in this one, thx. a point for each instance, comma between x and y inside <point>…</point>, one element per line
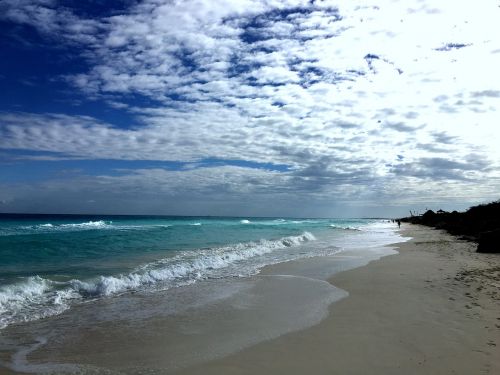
<point>72,287</point>
<point>50,262</point>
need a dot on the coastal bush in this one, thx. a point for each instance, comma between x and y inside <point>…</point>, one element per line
<point>479,224</point>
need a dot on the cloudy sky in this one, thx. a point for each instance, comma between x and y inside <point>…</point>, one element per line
<point>249,107</point>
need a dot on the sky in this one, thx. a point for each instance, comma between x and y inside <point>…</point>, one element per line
<point>249,107</point>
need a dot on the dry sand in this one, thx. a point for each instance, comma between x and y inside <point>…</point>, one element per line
<point>432,309</point>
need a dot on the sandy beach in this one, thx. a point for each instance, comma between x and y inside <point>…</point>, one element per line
<point>432,309</point>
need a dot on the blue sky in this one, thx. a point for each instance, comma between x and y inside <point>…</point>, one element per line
<point>266,108</point>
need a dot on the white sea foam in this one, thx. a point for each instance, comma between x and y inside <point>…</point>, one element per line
<point>195,224</point>
<point>279,221</point>
<point>308,221</point>
<point>88,224</point>
<point>245,221</point>
<point>343,228</point>
<point>99,224</point>
<point>187,266</point>
<point>75,227</point>
<point>31,299</point>
<point>36,297</point>
<point>138,227</point>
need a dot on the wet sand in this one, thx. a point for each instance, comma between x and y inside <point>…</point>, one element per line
<point>432,309</point>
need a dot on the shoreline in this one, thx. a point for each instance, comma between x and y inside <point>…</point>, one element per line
<point>180,327</point>
<point>432,309</point>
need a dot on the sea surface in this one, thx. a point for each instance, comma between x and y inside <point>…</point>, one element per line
<point>52,263</point>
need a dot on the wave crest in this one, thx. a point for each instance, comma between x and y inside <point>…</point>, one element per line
<point>37,297</point>
<point>333,226</point>
<point>21,302</point>
<point>99,224</point>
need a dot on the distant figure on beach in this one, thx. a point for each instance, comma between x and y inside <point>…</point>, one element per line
<point>399,223</point>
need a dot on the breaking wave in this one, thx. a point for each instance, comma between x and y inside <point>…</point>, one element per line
<point>37,297</point>
<point>333,226</point>
<point>99,224</point>
<point>75,227</point>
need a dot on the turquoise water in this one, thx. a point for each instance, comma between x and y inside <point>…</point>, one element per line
<point>50,262</point>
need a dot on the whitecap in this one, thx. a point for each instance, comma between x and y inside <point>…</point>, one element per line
<point>344,228</point>
<point>37,297</point>
<point>88,224</point>
<point>22,301</point>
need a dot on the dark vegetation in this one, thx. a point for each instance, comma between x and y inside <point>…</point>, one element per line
<point>480,224</point>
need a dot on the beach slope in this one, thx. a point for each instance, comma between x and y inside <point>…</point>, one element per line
<point>432,309</point>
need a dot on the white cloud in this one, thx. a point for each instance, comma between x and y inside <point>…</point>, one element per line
<point>242,80</point>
